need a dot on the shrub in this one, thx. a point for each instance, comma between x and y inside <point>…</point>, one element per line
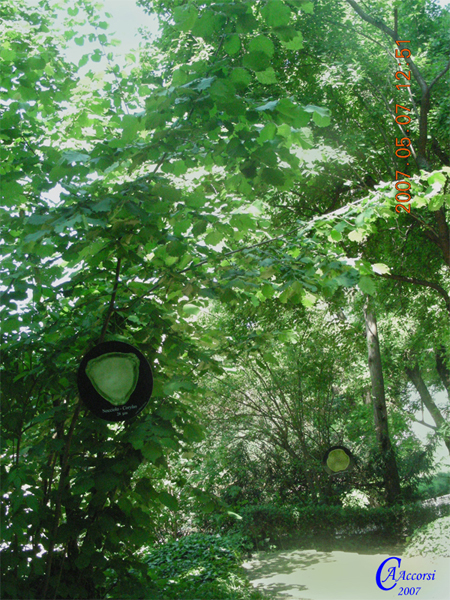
<point>267,524</point>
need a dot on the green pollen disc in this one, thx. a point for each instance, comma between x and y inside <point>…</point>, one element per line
<point>114,376</point>
<point>338,460</point>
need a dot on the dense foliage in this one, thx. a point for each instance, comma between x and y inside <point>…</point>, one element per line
<point>227,205</point>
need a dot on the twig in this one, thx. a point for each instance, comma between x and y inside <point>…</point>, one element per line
<point>111,304</point>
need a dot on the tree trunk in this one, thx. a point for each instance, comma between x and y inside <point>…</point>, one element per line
<point>391,477</point>
<point>416,378</point>
<point>442,369</point>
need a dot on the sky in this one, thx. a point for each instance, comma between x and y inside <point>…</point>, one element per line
<point>125,20</point>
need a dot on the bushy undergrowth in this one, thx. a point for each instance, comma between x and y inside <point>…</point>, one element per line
<point>431,539</point>
<point>200,566</point>
<point>264,525</point>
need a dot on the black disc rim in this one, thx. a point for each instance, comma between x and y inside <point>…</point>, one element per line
<point>99,405</point>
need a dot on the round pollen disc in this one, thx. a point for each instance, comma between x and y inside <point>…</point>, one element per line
<point>338,459</point>
<point>115,381</point>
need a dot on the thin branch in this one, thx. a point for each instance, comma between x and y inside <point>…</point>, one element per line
<point>421,282</point>
<point>62,481</point>
<point>441,74</point>
<point>111,304</point>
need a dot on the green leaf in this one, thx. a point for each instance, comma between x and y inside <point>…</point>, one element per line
<point>268,132</point>
<point>72,156</point>
<point>150,450</point>
<point>240,77</point>
<point>267,77</point>
<point>83,60</point>
<point>366,285</point>
<point>193,432</point>
<point>261,43</point>
<point>307,7</point>
<point>191,309</point>
<point>83,485</point>
<point>357,235</point>
<point>308,299</point>
<point>380,268</point>
<point>436,202</point>
<point>246,23</point>
<point>235,515</point>
<point>320,120</point>
<point>295,44</point>
<point>437,177</point>
<point>256,61</point>
<point>273,177</point>
<point>336,236</point>
<point>213,238</point>
<point>276,13</point>
<point>268,106</point>
<point>185,17</point>
<point>79,41</point>
<point>268,290</point>
<point>205,83</point>
<point>232,44</point>
<point>168,500</point>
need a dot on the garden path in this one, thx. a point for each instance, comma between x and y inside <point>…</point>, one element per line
<point>315,575</point>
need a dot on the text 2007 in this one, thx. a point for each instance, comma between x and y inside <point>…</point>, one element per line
<point>402,150</point>
<point>408,591</point>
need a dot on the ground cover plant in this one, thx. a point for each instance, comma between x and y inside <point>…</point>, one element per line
<point>200,566</point>
<point>432,539</point>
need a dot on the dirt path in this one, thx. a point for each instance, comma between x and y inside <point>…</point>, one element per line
<point>312,575</point>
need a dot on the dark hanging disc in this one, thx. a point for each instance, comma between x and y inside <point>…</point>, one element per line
<point>337,460</point>
<point>115,381</point>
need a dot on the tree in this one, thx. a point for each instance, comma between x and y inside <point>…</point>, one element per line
<point>392,481</point>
